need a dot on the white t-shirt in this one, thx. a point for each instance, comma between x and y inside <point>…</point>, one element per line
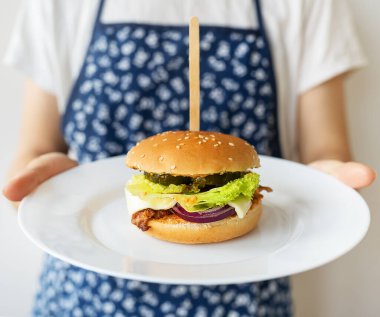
<point>311,41</point>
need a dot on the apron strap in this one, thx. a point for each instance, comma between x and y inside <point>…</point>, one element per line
<point>259,13</point>
<point>100,11</point>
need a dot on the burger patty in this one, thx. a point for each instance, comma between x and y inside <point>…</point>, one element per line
<point>142,217</point>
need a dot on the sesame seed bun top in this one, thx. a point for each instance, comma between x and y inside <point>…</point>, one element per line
<point>192,153</point>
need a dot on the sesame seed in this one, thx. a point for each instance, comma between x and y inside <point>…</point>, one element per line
<point>231,144</point>
<point>199,142</point>
<point>211,135</point>
<point>161,158</point>
<point>186,137</point>
<point>142,155</point>
<point>178,147</point>
<point>219,142</point>
<point>164,139</point>
<point>181,144</point>
<point>180,139</point>
<point>230,158</point>
<point>216,144</point>
<point>155,144</point>
<point>206,138</point>
<point>172,167</point>
<point>201,136</point>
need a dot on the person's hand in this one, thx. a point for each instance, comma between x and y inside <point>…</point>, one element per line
<point>353,174</point>
<point>36,172</point>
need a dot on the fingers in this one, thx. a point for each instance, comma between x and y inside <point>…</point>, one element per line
<point>36,172</point>
<point>353,174</point>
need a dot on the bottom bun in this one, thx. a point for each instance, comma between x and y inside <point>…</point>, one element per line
<point>174,229</point>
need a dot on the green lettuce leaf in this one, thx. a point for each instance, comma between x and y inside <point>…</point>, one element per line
<point>139,185</point>
<point>243,187</point>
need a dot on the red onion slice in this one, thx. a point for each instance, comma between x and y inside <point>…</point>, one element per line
<point>209,215</point>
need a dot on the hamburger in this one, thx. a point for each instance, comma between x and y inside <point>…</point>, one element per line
<point>196,187</point>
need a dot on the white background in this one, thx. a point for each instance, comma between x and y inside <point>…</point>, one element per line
<point>347,287</point>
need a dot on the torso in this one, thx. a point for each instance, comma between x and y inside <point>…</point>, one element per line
<point>134,84</point>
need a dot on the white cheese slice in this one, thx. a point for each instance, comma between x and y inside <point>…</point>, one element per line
<point>241,206</point>
<point>135,203</point>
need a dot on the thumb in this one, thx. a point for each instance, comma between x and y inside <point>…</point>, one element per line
<point>36,172</point>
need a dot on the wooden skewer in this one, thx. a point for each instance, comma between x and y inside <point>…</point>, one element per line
<point>194,75</point>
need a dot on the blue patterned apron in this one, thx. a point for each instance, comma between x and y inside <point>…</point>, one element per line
<point>134,83</point>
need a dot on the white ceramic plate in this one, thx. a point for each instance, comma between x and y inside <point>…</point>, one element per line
<point>80,217</point>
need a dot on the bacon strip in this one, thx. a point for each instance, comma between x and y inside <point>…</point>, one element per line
<point>142,217</point>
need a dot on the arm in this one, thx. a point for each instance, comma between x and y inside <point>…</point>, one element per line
<point>323,141</point>
<point>41,148</point>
